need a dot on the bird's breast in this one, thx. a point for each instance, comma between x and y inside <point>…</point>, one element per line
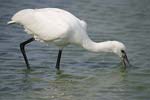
<point>61,43</point>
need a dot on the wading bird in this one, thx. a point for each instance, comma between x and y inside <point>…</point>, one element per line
<point>53,25</point>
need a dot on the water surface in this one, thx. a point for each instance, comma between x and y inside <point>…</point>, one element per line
<point>84,75</point>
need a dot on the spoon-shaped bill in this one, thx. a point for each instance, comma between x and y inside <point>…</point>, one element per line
<point>125,59</point>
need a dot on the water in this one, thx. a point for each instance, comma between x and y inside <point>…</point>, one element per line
<point>84,75</point>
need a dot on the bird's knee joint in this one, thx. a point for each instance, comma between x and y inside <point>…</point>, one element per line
<point>22,45</point>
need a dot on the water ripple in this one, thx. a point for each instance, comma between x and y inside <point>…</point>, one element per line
<point>83,75</point>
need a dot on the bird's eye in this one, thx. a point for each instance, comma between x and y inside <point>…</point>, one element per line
<point>122,51</point>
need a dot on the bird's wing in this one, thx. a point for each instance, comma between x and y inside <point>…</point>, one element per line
<point>53,25</point>
<point>45,24</point>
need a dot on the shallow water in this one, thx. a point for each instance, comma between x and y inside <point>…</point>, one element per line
<point>84,75</point>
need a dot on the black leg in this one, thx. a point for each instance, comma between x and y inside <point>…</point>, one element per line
<point>22,48</point>
<point>58,60</point>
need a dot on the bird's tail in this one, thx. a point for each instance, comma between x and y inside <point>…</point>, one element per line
<point>11,22</point>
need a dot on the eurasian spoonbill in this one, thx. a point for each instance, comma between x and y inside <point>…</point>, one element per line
<point>53,25</point>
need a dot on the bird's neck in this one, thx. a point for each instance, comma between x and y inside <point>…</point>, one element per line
<point>92,46</point>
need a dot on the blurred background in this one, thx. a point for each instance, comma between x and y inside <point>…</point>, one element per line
<point>84,75</point>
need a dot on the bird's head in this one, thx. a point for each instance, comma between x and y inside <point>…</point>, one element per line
<point>120,50</point>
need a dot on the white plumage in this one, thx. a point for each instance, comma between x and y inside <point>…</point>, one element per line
<point>50,24</point>
<point>53,25</point>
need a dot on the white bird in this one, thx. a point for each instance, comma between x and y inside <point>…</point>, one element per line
<point>54,25</point>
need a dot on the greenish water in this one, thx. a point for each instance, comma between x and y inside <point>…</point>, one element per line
<point>84,75</point>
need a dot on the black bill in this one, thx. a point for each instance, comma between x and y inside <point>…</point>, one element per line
<point>125,59</point>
